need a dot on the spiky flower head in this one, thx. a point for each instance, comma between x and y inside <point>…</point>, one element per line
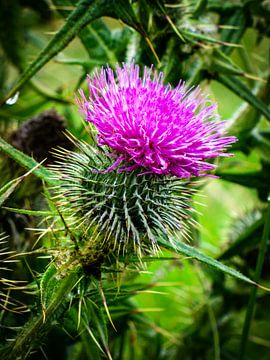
<point>149,125</point>
<point>119,213</point>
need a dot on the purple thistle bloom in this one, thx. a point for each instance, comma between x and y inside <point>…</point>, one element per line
<point>149,125</point>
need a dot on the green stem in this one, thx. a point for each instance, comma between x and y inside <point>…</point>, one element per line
<point>252,298</point>
<point>37,328</point>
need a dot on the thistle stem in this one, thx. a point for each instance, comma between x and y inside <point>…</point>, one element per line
<point>252,299</point>
<point>38,327</point>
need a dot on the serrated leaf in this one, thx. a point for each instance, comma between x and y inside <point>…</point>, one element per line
<point>48,285</point>
<point>32,334</point>
<point>194,253</point>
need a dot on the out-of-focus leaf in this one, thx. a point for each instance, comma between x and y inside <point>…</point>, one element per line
<point>172,68</point>
<point>27,162</point>
<point>11,36</point>
<point>95,326</point>
<point>40,6</point>
<point>246,239</point>
<point>258,180</point>
<point>245,119</point>
<point>191,35</point>
<point>261,142</point>
<point>200,8</point>
<point>98,41</point>
<point>240,89</point>
<point>194,71</point>
<point>48,94</point>
<point>190,251</point>
<point>25,110</point>
<point>224,64</point>
<point>90,348</point>
<point>235,28</point>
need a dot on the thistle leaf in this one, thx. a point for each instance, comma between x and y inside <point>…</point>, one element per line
<point>48,285</point>
<point>27,162</point>
<point>192,252</point>
<point>84,13</point>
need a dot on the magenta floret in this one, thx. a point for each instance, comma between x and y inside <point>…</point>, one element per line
<point>151,126</point>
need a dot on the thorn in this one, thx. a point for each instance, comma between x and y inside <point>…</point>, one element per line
<point>105,305</point>
<point>43,314</point>
<point>152,49</point>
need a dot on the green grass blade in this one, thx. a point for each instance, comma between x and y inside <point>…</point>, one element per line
<point>190,251</point>
<point>28,163</point>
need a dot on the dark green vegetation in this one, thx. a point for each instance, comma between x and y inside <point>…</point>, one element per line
<point>66,296</point>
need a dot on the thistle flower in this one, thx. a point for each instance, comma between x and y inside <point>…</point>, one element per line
<point>150,130</point>
<point>151,126</point>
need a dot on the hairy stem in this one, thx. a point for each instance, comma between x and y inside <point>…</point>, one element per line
<point>38,327</point>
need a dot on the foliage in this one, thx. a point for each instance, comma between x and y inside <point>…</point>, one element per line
<point>205,295</point>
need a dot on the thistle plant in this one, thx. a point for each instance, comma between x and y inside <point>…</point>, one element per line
<point>137,186</point>
<point>108,226</point>
<point>119,196</point>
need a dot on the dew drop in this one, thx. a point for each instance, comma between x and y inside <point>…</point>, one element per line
<point>12,100</point>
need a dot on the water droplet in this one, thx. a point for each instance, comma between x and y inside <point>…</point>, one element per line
<point>12,100</point>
